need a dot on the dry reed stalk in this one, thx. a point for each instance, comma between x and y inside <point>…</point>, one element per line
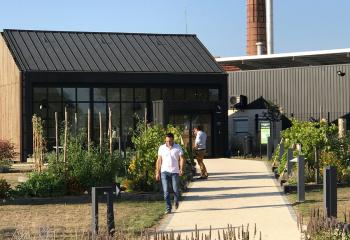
<point>110,130</point>
<point>65,137</point>
<point>101,130</point>
<point>56,136</point>
<point>89,129</point>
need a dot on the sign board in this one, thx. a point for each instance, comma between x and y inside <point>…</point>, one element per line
<point>264,132</point>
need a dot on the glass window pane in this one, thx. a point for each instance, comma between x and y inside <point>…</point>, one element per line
<point>69,94</point>
<point>127,94</point>
<point>127,117</point>
<point>83,94</point>
<point>179,94</point>
<point>140,111</point>
<point>100,94</point>
<point>40,94</point>
<point>213,94</point>
<point>240,125</point>
<point>202,94</point>
<point>140,94</point>
<point>70,106</point>
<point>155,94</point>
<point>54,94</point>
<point>82,114</point>
<point>40,111</point>
<point>54,107</point>
<point>168,93</point>
<point>191,94</point>
<point>114,94</point>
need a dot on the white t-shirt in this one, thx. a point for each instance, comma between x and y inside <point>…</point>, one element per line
<point>170,158</point>
<point>201,140</point>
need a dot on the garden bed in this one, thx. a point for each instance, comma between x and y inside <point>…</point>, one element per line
<point>314,200</point>
<point>287,188</point>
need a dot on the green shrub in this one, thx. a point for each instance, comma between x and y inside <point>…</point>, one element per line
<point>5,189</point>
<point>84,169</point>
<point>7,153</point>
<point>42,184</point>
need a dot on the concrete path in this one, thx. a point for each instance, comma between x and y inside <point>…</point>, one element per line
<point>237,192</point>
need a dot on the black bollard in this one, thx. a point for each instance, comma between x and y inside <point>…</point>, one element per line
<point>301,179</point>
<point>110,213</point>
<point>330,191</point>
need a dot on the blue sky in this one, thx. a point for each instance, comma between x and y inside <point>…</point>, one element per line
<point>299,25</point>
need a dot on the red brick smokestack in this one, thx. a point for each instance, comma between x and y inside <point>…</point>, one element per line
<point>256,25</point>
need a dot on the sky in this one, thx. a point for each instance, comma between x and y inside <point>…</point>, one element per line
<point>299,25</point>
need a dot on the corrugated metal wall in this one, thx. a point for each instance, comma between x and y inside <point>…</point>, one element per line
<point>304,92</point>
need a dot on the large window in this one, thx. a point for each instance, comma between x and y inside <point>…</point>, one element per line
<point>128,105</point>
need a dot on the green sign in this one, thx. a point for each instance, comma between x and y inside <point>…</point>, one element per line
<point>264,132</point>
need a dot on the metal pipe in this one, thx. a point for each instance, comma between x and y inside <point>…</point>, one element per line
<point>269,26</point>
<point>259,48</point>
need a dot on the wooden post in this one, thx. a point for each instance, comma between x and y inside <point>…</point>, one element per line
<point>75,124</point>
<point>100,117</point>
<point>110,130</point>
<point>56,135</point>
<point>88,129</point>
<point>145,118</point>
<point>65,137</point>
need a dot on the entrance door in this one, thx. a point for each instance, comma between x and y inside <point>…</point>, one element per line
<point>187,122</point>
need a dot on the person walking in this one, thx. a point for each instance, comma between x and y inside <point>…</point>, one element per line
<point>169,167</point>
<point>200,150</point>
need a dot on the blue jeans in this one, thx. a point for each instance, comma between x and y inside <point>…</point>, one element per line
<point>174,177</point>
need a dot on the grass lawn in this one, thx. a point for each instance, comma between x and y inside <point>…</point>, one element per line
<point>314,200</point>
<point>73,216</point>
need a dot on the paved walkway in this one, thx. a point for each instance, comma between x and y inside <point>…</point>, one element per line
<point>237,192</point>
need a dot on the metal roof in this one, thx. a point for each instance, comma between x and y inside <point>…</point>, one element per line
<point>109,52</point>
<point>286,60</point>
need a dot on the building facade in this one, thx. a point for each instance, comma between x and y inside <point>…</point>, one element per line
<point>125,72</point>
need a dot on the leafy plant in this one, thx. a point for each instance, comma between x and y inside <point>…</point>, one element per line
<point>42,184</point>
<point>5,189</point>
<point>7,153</point>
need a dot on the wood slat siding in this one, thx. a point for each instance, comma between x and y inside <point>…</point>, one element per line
<point>10,97</point>
<point>304,91</point>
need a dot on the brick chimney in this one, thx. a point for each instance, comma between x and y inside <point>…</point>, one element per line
<point>256,26</point>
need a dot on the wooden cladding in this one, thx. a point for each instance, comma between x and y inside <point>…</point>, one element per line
<point>10,97</point>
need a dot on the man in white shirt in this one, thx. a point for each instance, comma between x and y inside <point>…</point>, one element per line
<point>169,167</point>
<point>200,149</point>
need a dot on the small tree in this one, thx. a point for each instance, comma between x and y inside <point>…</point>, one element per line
<point>7,153</point>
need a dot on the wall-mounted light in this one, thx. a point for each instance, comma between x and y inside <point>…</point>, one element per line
<point>340,73</point>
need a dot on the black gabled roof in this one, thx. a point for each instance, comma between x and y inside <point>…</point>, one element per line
<point>259,103</point>
<point>109,52</point>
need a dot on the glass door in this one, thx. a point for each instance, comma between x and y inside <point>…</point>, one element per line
<point>187,122</point>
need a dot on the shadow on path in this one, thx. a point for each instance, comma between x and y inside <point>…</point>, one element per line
<point>213,189</point>
<point>237,208</point>
<point>233,196</point>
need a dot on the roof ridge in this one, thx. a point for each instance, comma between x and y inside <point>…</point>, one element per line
<point>125,33</point>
